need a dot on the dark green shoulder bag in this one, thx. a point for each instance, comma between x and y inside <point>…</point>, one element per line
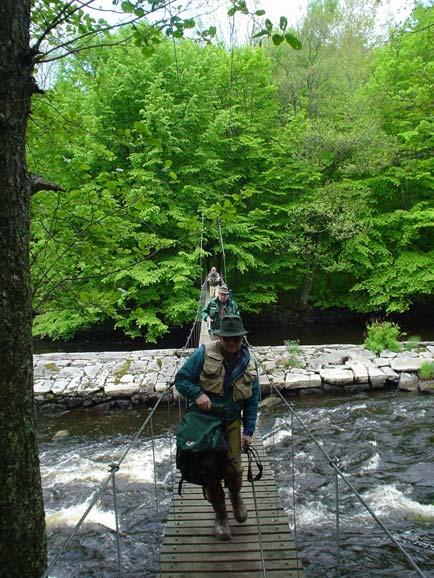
<point>202,447</point>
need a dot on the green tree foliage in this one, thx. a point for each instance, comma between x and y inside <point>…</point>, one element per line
<point>315,161</point>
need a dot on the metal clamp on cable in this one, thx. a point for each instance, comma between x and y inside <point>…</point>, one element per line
<point>114,467</point>
<point>334,463</point>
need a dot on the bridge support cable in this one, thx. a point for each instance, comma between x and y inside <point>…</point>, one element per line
<point>338,472</point>
<point>154,464</point>
<point>114,468</point>
<point>294,517</point>
<point>338,536</point>
<point>202,275</point>
<point>334,463</point>
<point>223,250</point>
<point>258,523</point>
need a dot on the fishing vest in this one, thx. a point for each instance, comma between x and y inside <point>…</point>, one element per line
<point>212,376</point>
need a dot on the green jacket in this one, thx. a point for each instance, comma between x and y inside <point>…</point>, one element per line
<point>189,381</point>
<point>212,309</point>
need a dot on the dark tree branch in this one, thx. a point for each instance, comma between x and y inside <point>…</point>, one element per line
<point>42,58</point>
<point>61,17</point>
<point>86,47</point>
<point>38,183</point>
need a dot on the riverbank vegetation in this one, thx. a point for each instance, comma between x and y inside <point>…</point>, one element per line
<point>316,162</point>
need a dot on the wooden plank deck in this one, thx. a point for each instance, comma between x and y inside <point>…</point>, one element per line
<point>190,548</point>
<point>204,334</point>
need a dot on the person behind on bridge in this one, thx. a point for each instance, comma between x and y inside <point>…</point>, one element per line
<point>224,372</point>
<point>213,281</point>
<point>216,309</point>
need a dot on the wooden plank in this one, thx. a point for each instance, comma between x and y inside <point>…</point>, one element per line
<point>177,539</point>
<point>203,523</point>
<point>204,334</point>
<point>232,546</point>
<point>228,555</point>
<point>240,574</point>
<point>233,566</point>
<point>191,550</point>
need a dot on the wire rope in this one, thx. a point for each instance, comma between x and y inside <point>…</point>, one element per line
<point>223,250</point>
<point>114,467</point>
<point>334,464</point>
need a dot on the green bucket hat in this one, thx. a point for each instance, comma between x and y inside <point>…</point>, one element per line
<point>231,326</point>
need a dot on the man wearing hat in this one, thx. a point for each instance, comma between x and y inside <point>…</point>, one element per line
<point>217,308</point>
<point>223,372</point>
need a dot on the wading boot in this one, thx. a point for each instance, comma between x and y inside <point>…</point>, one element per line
<point>222,529</point>
<point>238,507</point>
<point>216,497</point>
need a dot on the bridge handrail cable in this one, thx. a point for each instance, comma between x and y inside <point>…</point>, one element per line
<point>334,463</point>
<point>115,465</point>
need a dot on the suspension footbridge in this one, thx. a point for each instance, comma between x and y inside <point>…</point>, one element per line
<point>263,546</point>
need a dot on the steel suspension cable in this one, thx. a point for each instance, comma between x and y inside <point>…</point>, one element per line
<point>114,467</point>
<point>202,275</point>
<point>223,250</point>
<point>334,464</point>
<point>258,523</point>
<point>294,516</point>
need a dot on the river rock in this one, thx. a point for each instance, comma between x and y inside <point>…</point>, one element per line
<point>382,361</point>
<point>406,364</point>
<point>356,387</point>
<point>408,353</point>
<point>390,374</point>
<point>360,355</point>
<point>73,402</point>
<point>377,377</point>
<point>333,358</point>
<point>59,386</point>
<point>388,354</point>
<point>61,434</point>
<point>407,382</point>
<point>311,391</point>
<point>337,376</point>
<point>42,385</point>
<point>121,404</point>
<point>301,380</point>
<point>269,401</point>
<point>269,366</point>
<point>74,385</point>
<point>120,389</point>
<point>332,388</point>
<point>88,387</point>
<point>360,372</point>
<point>138,366</point>
<point>278,377</point>
<point>161,386</point>
<point>69,372</point>
<point>92,370</point>
<point>426,385</point>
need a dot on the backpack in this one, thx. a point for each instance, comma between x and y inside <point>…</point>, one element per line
<point>202,447</point>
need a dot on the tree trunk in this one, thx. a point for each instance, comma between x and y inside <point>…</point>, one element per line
<point>305,291</point>
<point>22,522</point>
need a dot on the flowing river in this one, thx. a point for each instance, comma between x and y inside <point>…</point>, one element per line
<point>384,443</point>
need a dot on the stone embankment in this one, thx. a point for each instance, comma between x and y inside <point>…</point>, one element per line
<point>130,378</point>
